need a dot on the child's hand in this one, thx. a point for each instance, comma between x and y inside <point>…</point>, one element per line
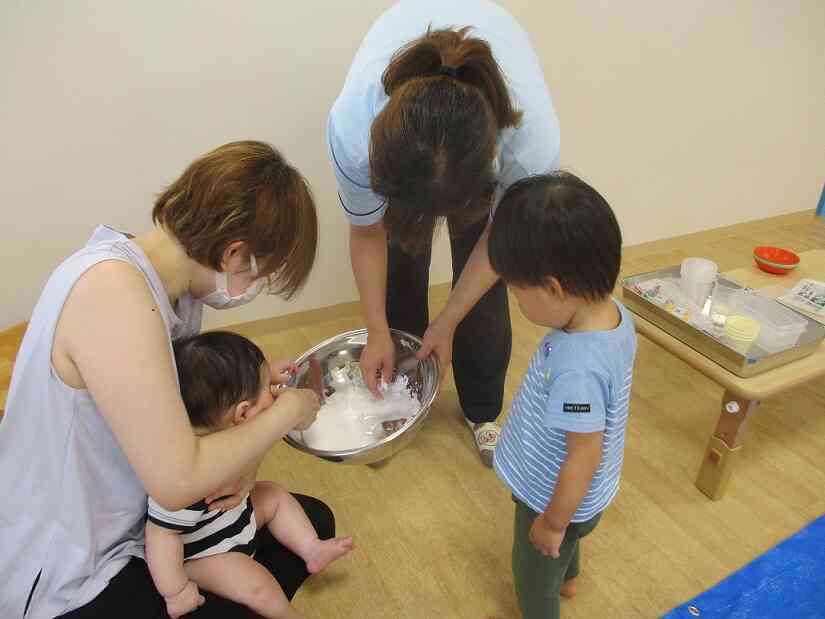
<point>545,538</point>
<point>282,371</point>
<point>186,601</point>
<point>438,340</point>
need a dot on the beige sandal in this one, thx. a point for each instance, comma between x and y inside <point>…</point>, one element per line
<point>486,436</point>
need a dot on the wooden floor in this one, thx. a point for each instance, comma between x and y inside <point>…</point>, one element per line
<point>433,528</point>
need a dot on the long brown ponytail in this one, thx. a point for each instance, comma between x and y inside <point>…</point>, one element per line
<point>471,59</point>
<point>432,146</point>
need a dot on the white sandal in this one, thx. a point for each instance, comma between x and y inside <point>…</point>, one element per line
<point>486,436</point>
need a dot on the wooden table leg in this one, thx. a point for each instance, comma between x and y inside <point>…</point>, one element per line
<point>724,445</point>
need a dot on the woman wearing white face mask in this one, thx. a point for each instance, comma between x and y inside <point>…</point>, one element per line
<point>222,298</point>
<point>94,417</point>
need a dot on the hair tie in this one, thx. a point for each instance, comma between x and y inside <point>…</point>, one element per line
<point>448,71</point>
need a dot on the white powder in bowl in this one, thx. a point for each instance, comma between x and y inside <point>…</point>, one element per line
<point>352,417</point>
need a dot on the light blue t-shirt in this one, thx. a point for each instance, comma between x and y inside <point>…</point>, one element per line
<point>530,148</point>
<point>576,382</point>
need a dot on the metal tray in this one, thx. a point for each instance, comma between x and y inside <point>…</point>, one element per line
<point>757,359</point>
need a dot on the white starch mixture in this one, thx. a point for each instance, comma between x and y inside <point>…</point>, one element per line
<point>352,417</point>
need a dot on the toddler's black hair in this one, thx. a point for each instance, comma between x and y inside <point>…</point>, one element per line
<point>556,225</point>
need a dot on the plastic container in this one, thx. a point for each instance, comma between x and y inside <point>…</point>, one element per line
<point>780,326</point>
<point>741,332</point>
<point>775,260</point>
<point>697,278</point>
<point>720,305</point>
<point>720,299</point>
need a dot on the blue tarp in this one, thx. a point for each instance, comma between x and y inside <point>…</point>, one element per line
<point>787,581</point>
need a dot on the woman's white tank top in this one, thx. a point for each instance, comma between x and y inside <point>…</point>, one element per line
<point>71,506</point>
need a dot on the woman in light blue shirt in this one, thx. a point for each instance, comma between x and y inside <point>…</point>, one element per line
<point>445,105</point>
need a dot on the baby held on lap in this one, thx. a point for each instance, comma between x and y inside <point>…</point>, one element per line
<point>196,548</point>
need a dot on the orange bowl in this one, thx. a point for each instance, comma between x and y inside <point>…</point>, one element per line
<point>775,259</point>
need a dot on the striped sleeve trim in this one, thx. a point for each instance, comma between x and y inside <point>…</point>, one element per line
<point>340,168</point>
<point>184,520</point>
<point>182,527</point>
<point>353,213</point>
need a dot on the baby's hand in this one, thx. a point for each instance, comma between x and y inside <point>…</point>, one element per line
<point>282,371</point>
<point>184,602</point>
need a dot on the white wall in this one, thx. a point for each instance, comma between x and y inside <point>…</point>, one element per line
<point>687,115</point>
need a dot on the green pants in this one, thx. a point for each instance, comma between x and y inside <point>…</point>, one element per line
<point>538,578</point>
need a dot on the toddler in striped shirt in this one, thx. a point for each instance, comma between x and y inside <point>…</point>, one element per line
<point>225,380</point>
<point>556,243</point>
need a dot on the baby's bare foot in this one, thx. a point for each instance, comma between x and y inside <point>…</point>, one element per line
<point>326,551</point>
<point>568,589</point>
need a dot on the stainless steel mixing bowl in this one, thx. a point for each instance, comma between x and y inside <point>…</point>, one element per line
<point>338,358</point>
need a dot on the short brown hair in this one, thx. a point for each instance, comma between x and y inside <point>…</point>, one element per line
<point>244,191</point>
<point>433,144</point>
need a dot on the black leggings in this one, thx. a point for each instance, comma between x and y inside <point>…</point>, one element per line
<point>482,342</point>
<point>132,593</point>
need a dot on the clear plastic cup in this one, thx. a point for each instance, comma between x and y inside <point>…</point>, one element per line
<point>720,300</point>
<point>700,269</point>
<point>698,277</point>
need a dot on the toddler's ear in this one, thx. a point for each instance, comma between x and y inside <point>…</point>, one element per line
<point>554,287</point>
<point>241,412</point>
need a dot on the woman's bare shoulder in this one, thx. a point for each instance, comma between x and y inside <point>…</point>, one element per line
<point>111,298</point>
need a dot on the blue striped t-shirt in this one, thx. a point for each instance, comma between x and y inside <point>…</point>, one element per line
<point>576,382</point>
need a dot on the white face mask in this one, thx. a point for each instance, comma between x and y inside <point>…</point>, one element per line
<point>221,299</point>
